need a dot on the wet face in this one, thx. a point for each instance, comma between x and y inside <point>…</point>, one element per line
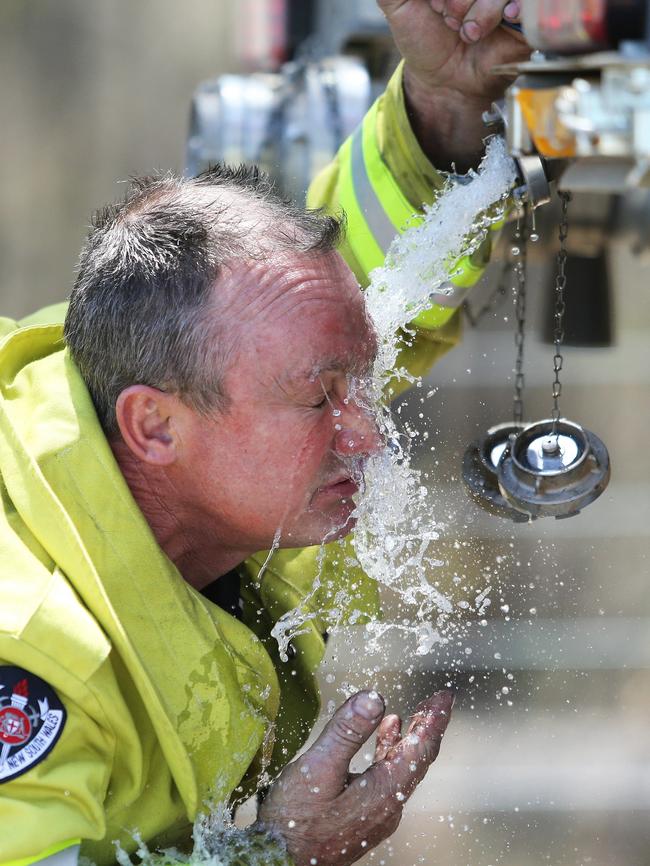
<point>285,455</point>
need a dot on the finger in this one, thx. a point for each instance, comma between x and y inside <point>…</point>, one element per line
<point>388,735</point>
<point>512,11</point>
<point>483,17</point>
<point>421,745</point>
<point>432,715</point>
<point>406,763</point>
<point>454,12</point>
<point>327,762</point>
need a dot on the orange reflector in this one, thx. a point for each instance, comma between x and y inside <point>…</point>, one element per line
<point>551,138</point>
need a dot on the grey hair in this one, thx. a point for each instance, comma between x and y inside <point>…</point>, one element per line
<point>141,310</point>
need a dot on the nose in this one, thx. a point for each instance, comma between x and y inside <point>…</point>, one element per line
<point>357,432</point>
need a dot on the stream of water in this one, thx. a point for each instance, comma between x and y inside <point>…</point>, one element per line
<point>395,532</point>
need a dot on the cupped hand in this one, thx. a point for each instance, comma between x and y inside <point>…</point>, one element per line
<point>331,817</point>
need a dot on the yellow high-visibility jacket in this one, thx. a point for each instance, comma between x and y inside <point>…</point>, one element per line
<point>127,699</point>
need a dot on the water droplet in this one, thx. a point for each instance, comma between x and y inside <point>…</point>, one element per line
<point>399,796</point>
<point>338,427</point>
<point>533,237</point>
<point>291,823</point>
<point>336,413</point>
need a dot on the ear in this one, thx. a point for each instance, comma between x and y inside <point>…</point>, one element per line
<point>145,417</point>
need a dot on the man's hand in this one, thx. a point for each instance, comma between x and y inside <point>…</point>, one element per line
<point>331,817</point>
<point>450,48</point>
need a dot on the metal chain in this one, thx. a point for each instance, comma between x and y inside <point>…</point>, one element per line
<point>560,308</point>
<point>518,252</point>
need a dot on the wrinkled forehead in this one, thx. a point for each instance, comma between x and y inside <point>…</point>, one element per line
<point>305,311</point>
<point>288,286</point>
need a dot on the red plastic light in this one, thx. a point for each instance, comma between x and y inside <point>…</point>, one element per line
<point>565,25</point>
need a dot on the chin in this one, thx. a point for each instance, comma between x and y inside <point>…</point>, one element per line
<point>323,533</point>
<point>335,529</point>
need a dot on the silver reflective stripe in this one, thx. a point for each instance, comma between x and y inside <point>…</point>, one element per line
<point>67,857</point>
<point>378,222</point>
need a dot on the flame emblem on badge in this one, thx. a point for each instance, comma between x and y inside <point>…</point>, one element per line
<point>15,726</point>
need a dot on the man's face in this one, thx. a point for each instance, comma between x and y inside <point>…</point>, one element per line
<point>280,458</point>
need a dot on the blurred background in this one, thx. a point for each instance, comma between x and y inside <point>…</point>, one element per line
<point>548,757</point>
<point>90,93</point>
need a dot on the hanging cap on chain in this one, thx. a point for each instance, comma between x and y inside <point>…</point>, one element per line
<point>480,464</point>
<point>553,469</point>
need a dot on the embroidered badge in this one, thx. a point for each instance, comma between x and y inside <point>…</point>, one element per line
<point>31,721</point>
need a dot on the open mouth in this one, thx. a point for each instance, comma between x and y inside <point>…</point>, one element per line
<point>344,487</point>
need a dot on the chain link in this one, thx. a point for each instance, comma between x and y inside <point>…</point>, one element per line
<point>560,309</point>
<point>518,252</point>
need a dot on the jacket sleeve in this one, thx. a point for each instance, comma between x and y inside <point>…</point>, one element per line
<point>381,180</point>
<point>52,786</point>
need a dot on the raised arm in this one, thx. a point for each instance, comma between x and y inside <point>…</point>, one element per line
<point>450,48</point>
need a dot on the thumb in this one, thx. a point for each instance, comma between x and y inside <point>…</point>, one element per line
<point>328,760</point>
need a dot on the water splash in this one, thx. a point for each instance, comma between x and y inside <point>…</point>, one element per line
<point>395,530</point>
<point>217,842</point>
<point>426,255</point>
<point>274,546</point>
<point>296,621</point>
